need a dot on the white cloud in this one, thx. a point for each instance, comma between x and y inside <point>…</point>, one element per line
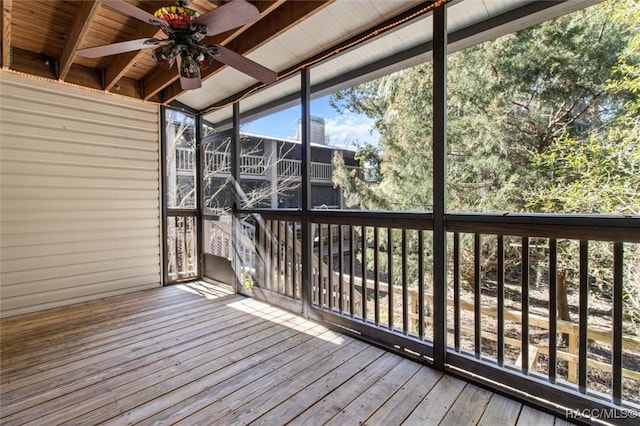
<point>346,129</point>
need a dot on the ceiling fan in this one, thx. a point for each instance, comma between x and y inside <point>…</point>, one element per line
<point>186,29</point>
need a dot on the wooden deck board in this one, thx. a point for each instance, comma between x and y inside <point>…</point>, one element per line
<point>197,354</point>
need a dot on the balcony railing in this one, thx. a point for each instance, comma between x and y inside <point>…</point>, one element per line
<point>521,294</point>
<point>252,165</point>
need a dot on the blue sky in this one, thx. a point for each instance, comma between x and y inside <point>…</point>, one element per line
<point>343,130</point>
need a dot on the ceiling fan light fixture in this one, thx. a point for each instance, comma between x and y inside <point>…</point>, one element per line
<point>189,67</point>
<point>165,56</point>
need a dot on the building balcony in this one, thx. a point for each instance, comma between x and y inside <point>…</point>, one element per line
<point>253,166</point>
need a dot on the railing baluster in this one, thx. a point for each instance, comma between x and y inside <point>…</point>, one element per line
<point>363,262</point>
<point>274,254</point>
<point>268,247</point>
<point>584,312</point>
<point>500,315</point>
<point>287,277</point>
<point>376,278</point>
<point>294,260</point>
<point>524,331</point>
<point>456,291</point>
<point>320,264</point>
<point>405,293</point>
<point>390,274</point>
<point>477,296</point>
<point>616,361</point>
<point>278,259</point>
<point>352,269</point>
<point>421,284</point>
<point>553,308</point>
<point>341,269</point>
<point>330,261</point>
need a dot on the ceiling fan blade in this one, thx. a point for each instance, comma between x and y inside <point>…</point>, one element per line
<point>115,48</point>
<point>228,16</point>
<point>133,11</point>
<point>247,66</point>
<point>189,73</point>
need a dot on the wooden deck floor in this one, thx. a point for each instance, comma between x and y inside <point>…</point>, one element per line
<point>199,355</point>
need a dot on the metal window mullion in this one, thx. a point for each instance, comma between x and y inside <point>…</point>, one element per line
<point>390,274</point>
<point>553,308</point>
<point>524,344</point>
<point>420,284</point>
<point>235,175</point>
<point>363,263</point>
<point>164,237</point>
<point>500,328</point>
<point>477,297</point>
<point>352,268</point>
<point>439,185</point>
<point>200,237</point>
<point>376,282</point>
<point>405,290</point>
<point>617,318</point>
<point>307,236</point>
<point>456,290</point>
<point>583,317</point>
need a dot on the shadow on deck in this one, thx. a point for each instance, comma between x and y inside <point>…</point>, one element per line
<point>199,354</point>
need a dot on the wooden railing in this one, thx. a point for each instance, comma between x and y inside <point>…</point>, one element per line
<point>181,248</point>
<point>507,274</point>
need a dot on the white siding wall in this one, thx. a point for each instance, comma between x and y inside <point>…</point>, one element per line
<point>79,195</point>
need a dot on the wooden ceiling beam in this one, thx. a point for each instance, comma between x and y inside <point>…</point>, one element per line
<point>162,78</point>
<point>6,33</point>
<point>275,23</point>
<point>88,11</point>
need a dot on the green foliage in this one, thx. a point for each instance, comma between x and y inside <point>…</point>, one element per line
<point>543,120</point>
<point>508,100</point>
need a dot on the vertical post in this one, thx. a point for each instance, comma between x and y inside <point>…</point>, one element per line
<point>199,222</point>
<point>500,300</point>
<point>583,316</point>
<point>617,318</point>
<point>307,248</point>
<point>524,331</point>
<point>553,309</point>
<point>164,250</point>
<point>439,185</point>
<point>235,175</point>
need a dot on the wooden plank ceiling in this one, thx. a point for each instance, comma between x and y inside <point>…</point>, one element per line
<point>40,37</point>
